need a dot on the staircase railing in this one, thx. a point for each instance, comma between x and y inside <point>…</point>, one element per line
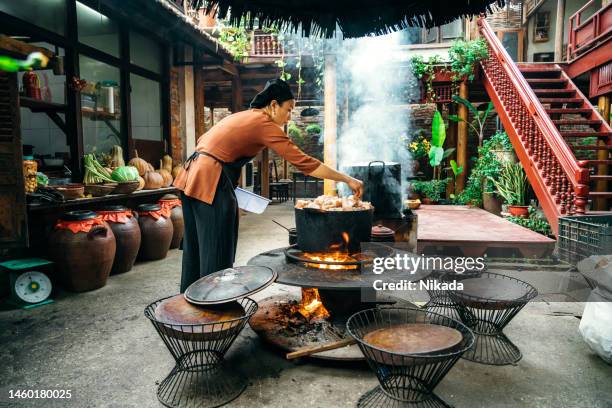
<point>560,184</point>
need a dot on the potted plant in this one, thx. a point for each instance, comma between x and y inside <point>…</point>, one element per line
<point>430,190</point>
<point>313,129</point>
<point>419,148</point>
<point>511,186</point>
<point>501,148</point>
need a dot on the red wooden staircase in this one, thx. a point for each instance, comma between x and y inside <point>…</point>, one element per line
<point>559,137</point>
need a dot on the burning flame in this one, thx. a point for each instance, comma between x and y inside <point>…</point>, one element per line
<point>337,255</point>
<point>330,257</point>
<point>311,306</point>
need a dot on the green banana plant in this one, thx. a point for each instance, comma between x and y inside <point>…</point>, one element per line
<point>480,117</point>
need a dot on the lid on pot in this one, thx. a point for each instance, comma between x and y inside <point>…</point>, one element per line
<point>114,208</point>
<point>79,215</point>
<point>148,207</point>
<point>169,197</point>
<point>380,231</point>
<point>229,284</point>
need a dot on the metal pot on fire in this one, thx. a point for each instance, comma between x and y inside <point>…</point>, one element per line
<point>320,231</point>
<point>382,182</point>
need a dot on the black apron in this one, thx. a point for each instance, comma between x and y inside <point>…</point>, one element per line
<point>211,230</point>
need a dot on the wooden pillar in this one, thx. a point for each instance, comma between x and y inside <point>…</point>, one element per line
<point>265,173</point>
<point>329,120</point>
<point>559,30</point>
<point>462,137</point>
<point>200,121</point>
<point>237,101</point>
<point>601,204</point>
<point>285,169</point>
<point>451,141</point>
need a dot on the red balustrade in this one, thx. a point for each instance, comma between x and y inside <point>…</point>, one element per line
<point>583,35</point>
<point>560,184</point>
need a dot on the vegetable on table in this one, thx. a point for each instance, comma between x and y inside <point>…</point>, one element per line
<point>94,172</point>
<point>125,173</point>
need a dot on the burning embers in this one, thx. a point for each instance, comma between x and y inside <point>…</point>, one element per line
<point>311,307</point>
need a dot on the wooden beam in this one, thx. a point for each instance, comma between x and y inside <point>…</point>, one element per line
<point>12,45</point>
<point>329,120</point>
<point>601,204</point>
<point>462,137</point>
<point>265,173</point>
<point>559,30</point>
<point>237,102</point>
<point>199,102</point>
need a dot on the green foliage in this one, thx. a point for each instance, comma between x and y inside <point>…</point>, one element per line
<point>533,222</point>
<point>464,55</point>
<point>480,117</point>
<point>313,129</point>
<point>512,184</point>
<point>419,145</point>
<point>486,167</point>
<point>426,70</point>
<point>237,40</point>
<point>432,189</point>
<point>295,134</point>
<point>438,136</point>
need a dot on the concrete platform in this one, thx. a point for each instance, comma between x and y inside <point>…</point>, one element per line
<point>100,346</point>
<point>474,232</point>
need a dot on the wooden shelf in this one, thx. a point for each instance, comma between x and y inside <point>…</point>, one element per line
<point>100,115</point>
<point>38,105</point>
<point>72,204</point>
<point>50,108</point>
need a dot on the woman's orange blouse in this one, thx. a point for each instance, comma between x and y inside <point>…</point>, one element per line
<point>243,134</point>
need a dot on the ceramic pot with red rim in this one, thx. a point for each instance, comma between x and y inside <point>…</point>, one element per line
<point>156,232</point>
<point>83,246</point>
<point>172,205</point>
<point>125,226</point>
<point>519,210</point>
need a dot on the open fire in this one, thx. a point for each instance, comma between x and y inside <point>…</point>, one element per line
<point>337,253</point>
<point>311,307</point>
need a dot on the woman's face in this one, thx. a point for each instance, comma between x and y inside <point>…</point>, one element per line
<point>281,113</point>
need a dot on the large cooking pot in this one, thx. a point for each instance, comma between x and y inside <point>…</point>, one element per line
<point>382,186</point>
<point>319,231</point>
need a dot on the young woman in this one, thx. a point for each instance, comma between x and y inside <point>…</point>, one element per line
<point>210,175</point>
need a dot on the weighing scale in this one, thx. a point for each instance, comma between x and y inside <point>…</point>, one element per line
<point>30,286</point>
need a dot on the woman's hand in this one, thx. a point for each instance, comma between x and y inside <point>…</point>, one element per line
<point>356,186</point>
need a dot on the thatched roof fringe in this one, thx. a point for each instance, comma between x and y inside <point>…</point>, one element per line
<point>355,18</point>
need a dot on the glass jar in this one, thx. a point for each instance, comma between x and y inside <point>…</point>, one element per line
<point>30,167</point>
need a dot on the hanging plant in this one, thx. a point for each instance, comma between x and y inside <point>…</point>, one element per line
<point>463,57</point>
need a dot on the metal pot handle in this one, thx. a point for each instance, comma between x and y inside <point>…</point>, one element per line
<point>97,230</point>
<point>370,167</point>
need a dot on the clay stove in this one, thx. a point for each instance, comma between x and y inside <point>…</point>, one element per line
<point>334,286</point>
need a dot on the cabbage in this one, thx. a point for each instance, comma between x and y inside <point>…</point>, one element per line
<point>125,173</point>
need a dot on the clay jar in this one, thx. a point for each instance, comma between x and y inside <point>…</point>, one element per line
<point>83,247</point>
<point>156,231</point>
<point>172,203</point>
<point>127,234</point>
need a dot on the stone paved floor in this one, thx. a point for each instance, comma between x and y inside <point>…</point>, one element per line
<point>100,346</point>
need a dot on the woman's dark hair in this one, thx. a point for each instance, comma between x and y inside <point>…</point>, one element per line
<point>275,89</point>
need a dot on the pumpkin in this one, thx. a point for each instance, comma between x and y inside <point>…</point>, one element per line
<point>167,163</point>
<point>153,180</point>
<point>140,164</point>
<point>176,170</point>
<point>165,174</point>
<point>141,183</point>
<point>116,157</point>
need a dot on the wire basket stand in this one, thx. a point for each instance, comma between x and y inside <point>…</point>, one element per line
<point>487,317</point>
<point>440,300</point>
<point>405,380</point>
<point>200,378</point>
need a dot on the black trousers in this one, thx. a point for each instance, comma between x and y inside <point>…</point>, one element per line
<point>211,234</point>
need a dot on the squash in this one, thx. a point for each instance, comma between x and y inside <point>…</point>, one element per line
<point>167,163</point>
<point>165,174</point>
<point>153,180</point>
<point>116,159</point>
<point>176,170</point>
<point>140,164</point>
<point>141,183</point>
